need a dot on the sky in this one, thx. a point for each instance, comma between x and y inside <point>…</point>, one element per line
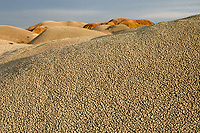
<point>24,13</point>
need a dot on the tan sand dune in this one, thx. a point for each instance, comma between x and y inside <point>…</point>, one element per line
<point>108,29</point>
<point>16,34</point>
<point>102,28</point>
<point>13,52</point>
<point>10,48</point>
<point>60,32</point>
<point>5,42</point>
<point>117,28</point>
<point>6,46</point>
<point>40,27</point>
<point>146,80</point>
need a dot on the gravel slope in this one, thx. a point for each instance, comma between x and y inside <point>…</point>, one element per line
<point>139,80</point>
<point>18,52</point>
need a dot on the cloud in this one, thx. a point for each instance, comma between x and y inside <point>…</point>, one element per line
<point>61,12</point>
<point>65,15</point>
<point>25,18</point>
<point>154,11</point>
<point>168,15</point>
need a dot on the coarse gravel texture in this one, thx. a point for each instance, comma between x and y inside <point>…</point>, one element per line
<point>138,80</point>
<point>9,53</point>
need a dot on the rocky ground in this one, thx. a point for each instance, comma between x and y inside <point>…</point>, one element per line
<point>143,79</point>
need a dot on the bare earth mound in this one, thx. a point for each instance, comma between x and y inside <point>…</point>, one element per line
<point>6,42</point>
<point>4,49</point>
<point>108,29</point>
<point>40,27</point>
<point>131,23</point>
<point>7,46</point>
<point>117,28</point>
<point>60,32</point>
<point>16,34</point>
<point>13,52</point>
<point>102,28</point>
<point>141,80</point>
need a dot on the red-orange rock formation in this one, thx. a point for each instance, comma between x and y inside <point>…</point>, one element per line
<point>39,30</point>
<point>92,25</point>
<point>128,22</point>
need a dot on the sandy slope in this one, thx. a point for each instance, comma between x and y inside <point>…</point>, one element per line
<point>140,80</point>
<point>40,27</point>
<point>6,48</point>
<point>13,52</point>
<point>16,34</point>
<point>108,29</point>
<point>5,42</point>
<point>60,32</point>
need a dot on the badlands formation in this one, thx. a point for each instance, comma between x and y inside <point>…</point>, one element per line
<point>40,27</point>
<point>50,34</point>
<point>143,79</point>
<point>128,22</point>
<point>15,34</point>
<point>61,32</point>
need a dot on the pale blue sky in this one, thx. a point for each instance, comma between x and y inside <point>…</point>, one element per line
<point>24,13</point>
